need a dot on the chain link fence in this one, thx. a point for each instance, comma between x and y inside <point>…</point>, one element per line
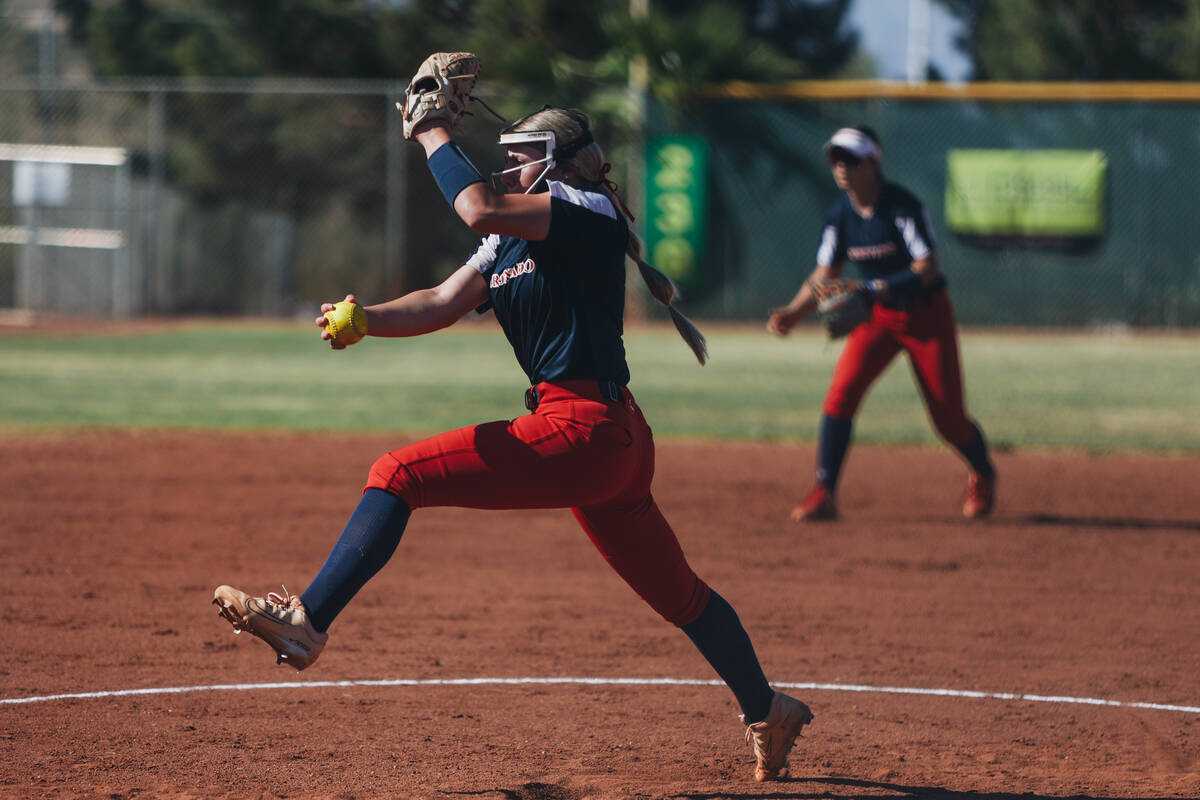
<point>266,197</point>
<point>214,197</point>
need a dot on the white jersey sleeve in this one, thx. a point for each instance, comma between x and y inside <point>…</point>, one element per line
<point>828,247</point>
<point>917,233</point>
<point>484,258</point>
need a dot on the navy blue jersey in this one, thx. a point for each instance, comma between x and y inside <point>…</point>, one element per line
<point>561,301</point>
<point>897,234</point>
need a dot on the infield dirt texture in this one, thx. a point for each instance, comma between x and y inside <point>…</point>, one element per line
<point>1083,585</point>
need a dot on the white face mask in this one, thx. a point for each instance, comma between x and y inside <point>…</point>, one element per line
<point>529,137</point>
<point>548,161</point>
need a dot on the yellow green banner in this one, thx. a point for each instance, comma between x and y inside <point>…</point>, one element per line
<point>1048,193</point>
<point>677,205</point>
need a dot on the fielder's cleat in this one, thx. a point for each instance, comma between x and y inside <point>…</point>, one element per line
<point>773,738</point>
<point>981,496</point>
<point>818,505</point>
<point>279,620</point>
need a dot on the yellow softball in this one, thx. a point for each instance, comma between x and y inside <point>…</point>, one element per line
<point>347,322</point>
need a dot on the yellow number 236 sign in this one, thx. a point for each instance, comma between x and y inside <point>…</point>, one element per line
<point>677,205</point>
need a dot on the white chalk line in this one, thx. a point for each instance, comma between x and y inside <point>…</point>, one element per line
<point>816,687</point>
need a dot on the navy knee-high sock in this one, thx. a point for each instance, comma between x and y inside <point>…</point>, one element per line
<point>831,452</point>
<point>719,636</point>
<point>976,453</point>
<point>366,544</point>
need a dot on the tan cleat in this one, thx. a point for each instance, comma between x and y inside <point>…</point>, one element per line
<point>774,736</point>
<point>279,620</point>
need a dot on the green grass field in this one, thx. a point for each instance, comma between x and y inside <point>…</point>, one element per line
<point>1075,391</point>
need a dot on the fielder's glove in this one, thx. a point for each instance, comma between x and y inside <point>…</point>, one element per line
<point>842,304</point>
<point>441,90</point>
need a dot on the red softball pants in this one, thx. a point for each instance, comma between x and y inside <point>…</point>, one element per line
<point>929,335</point>
<point>577,451</point>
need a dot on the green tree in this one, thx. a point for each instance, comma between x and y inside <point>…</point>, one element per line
<point>534,51</point>
<point>760,41</point>
<point>1080,40</point>
<point>275,151</point>
<point>226,38</point>
<point>316,158</point>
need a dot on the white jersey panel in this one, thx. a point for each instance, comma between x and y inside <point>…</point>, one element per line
<point>592,201</point>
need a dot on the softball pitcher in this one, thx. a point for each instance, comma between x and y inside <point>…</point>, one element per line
<point>885,230</point>
<point>551,265</point>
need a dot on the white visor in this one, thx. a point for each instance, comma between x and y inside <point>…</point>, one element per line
<point>854,142</point>
<point>529,137</point>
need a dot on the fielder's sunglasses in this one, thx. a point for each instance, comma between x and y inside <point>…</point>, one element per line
<point>839,156</point>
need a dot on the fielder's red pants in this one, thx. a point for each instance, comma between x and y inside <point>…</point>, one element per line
<point>577,451</point>
<point>929,335</point>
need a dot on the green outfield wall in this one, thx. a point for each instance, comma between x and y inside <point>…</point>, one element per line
<point>1069,204</point>
<point>1138,265</point>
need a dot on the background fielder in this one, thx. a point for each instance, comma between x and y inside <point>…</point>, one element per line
<point>885,230</point>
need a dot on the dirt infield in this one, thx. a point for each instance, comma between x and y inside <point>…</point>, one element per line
<point>1082,586</point>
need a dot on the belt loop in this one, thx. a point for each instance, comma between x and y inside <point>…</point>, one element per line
<point>531,398</point>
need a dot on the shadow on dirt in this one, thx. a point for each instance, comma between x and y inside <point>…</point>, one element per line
<point>1111,522</point>
<point>528,791</point>
<point>875,790</point>
<point>792,789</point>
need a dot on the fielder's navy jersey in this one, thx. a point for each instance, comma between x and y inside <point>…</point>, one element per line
<point>897,234</point>
<point>561,301</point>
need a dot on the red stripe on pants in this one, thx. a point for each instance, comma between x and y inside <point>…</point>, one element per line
<point>929,335</point>
<point>575,451</point>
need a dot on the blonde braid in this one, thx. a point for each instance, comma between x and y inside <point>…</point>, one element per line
<point>664,291</point>
<point>588,167</point>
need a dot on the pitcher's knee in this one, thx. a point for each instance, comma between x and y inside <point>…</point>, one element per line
<point>684,610</point>
<point>392,475</point>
